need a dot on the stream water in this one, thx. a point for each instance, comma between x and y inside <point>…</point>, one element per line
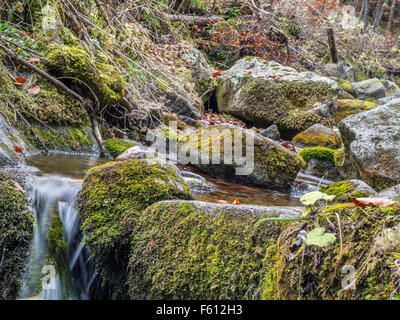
<point>58,258</point>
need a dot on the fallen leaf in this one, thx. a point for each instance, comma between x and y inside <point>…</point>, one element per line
<point>18,150</point>
<point>222,202</point>
<point>20,79</point>
<point>236,202</point>
<point>373,202</point>
<point>34,90</point>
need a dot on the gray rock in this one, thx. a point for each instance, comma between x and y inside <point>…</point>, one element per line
<point>271,132</point>
<point>392,193</point>
<point>265,93</point>
<point>197,185</point>
<point>337,70</point>
<point>371,88</point>
<point>391,87</point>
<point>322,168</point>
<point>372,145</point>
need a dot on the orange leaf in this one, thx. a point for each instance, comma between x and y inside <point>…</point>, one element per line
<point>374,202</point>
<point>236,202</point>
<point>18,150</point>
<point>20,79</point>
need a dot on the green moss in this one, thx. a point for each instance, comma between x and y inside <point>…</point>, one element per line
<point>347,107</point>
<point>345,190</point>
<point>117,146</point>
<point>16,228</point>
<point>274,165</point>
<point>184,252</point>
<point>321,153</point>
<point>319,138</point>
<point>339,157</point>
<point>102,78</point>
<point>321,269</point>
<point>112,198</point>
<point>59,138</point>
<point>285,103</point>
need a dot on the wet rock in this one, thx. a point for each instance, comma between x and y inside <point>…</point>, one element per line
<point>348,189</point>
<point>197,185</point>
<point>187,239</point>
<point>371,145</point>
<point>265,93</point>
<point>271,132</point>
<point>319,135</point>
<point>371,88</point>
<point>266,163</point>
<point>110,202</point>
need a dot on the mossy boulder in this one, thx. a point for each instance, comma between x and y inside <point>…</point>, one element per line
<point>115,147</point>
<point>199,250</point>
<point>266,93</point>
<point>105,82</point>
<point>112,199</point>
<point>319,135</point>
<point>347,87</point>
<point>16,230</point>
<point>371,142</point>
<point>214,151</point>
<point>347,107</point>
<point>363,252</point>
<point>348,189</point>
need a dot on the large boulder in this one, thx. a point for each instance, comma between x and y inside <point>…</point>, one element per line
<point>199,250</point>
<point>372,145</point>
<point>266,93</point>
<point>267,164</point>
<point>111,200</point>
<point>16,230</point>
<point>371,88</point>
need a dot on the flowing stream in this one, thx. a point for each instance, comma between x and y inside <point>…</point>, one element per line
<point>58,257</point>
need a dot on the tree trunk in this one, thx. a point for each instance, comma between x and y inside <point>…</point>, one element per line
<point>391,15</point>
<point>366,11</point>
<point>380,14</point>
<point>332,46</point>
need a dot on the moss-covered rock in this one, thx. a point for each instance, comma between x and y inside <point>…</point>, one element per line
<point>319,135</point>
<point>347,107</point>
<point>112,198</point>
<point>348,189</point>
<point>347,87</point>
<point>16,229</point>
<point>198,250</point>
<point>105,82</point>
<point>366,240</point>
<point>266,163</point>
<point>266,93</point>
<point>321,153</point>
<point>117,146</point>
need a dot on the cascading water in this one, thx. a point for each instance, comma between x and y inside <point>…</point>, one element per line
<point>57,245</point>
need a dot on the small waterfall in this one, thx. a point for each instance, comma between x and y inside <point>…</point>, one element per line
<point>58,256</point>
